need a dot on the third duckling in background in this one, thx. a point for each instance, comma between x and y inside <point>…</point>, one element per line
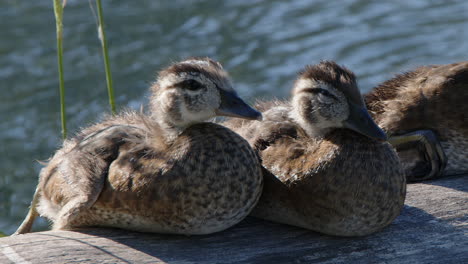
<point>425,113</point>
<point>327,165</point>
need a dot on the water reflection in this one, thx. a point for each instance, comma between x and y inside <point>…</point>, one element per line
<point>262,43</point>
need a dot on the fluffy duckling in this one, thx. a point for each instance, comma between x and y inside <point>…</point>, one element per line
<point>425,111</point>
<point>327,165</point>
<point>166,172</point>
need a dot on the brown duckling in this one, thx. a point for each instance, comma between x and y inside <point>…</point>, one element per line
<point>327,165</point>
<point>425,113</point>
<point>166,172</point>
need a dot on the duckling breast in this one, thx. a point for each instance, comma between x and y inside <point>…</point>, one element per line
<point>344,184</point>
<point>361,182</point>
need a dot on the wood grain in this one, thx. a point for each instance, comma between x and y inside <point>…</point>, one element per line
<point>433,228</point>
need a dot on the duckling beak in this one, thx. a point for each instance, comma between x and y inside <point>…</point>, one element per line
<point>233,105</point>
<point>360,121</point>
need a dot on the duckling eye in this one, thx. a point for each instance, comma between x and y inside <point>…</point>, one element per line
<point>191,85</point>
<point>325,92</point>
<point>323,95</point>
<point>326,97</point>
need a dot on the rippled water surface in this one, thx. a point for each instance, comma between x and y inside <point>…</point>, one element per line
<point>262,44</point>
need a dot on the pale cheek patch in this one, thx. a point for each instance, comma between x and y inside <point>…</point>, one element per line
<point>195,117</point>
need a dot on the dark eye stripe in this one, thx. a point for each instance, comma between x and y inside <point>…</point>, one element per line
<point>192,85</point>
<point>320,91</point>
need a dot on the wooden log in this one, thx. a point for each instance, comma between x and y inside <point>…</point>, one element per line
<point>433,228</point>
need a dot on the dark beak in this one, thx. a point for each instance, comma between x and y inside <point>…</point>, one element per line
<point>360,121</point>
<point>232,105</point>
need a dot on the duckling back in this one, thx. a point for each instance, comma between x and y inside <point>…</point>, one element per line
<point>427,98</point>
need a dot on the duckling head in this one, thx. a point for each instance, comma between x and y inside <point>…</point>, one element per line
<point>325,96</point>
<point>193,91</point>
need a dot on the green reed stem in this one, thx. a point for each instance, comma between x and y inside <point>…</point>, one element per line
<point>102,37</point>
<point>58,10</point>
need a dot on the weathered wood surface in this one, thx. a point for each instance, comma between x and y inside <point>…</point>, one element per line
<point>433,228</point>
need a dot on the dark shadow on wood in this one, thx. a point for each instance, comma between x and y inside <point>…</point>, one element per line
<point>457,182</point>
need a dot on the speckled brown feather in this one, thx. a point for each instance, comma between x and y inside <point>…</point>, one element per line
<point>341,184</point>
<point>205,181</point>
<point>430,97</point>
<point>345,184</point>
<point>165,171</point>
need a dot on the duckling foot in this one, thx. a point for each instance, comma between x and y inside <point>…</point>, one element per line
<point>421,154</point>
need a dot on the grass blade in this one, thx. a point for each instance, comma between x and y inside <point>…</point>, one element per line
<point>102,37</point>
<point>58,10</point>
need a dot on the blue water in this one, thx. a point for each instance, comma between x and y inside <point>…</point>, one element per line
<point>261,43</point>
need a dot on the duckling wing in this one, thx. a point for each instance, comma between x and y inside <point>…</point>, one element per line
<point>446,89</point>
<point>73,179</point>
<point>270,132</point>
<point>428,97</point>
<point>86,164</point>
<point>276,124</point>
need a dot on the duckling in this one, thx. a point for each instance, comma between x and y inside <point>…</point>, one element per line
<point>166,171</point>
<point>425,112</point>
<point>327,166</point>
